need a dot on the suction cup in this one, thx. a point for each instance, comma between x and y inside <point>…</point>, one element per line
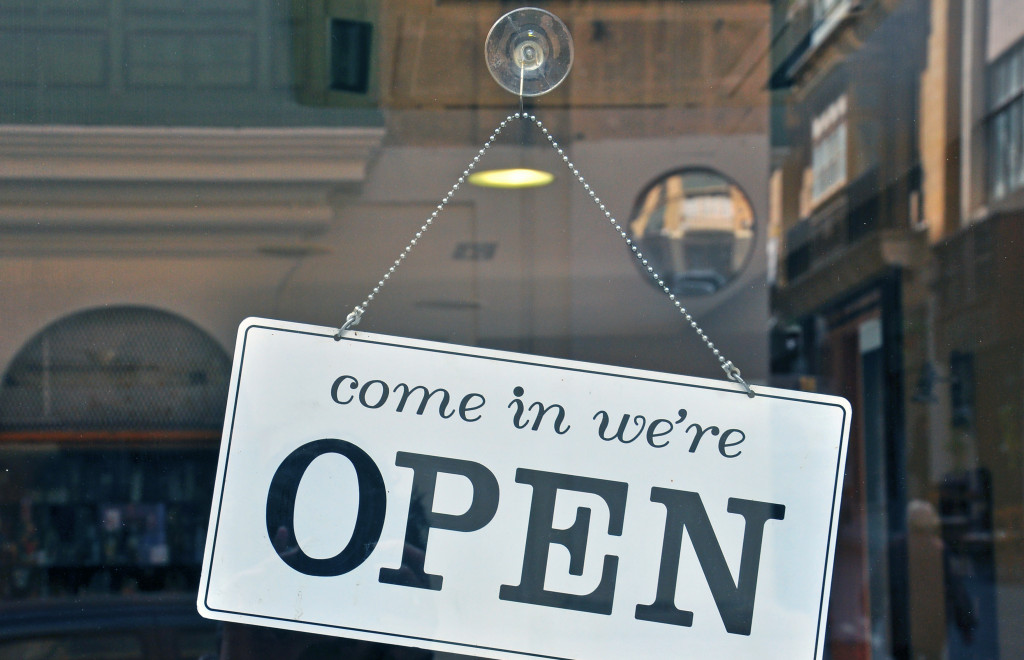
<point>529,51</point>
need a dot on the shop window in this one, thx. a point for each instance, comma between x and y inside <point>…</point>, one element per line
<point>828,150</point>
<point>1006,123</point>
<point>112,417</point>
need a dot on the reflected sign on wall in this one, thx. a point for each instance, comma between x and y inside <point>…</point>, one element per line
<point>511,506</point>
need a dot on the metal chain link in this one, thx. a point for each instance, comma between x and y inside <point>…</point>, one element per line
<point>356,315</point>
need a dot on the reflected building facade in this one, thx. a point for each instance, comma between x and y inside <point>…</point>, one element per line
<point>201,161</point>
<point>838,184</point>
<point>897,231</point>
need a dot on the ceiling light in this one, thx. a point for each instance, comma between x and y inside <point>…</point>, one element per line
<point>517,177</point>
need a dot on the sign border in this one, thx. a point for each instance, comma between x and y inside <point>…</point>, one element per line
<point>492,355</point>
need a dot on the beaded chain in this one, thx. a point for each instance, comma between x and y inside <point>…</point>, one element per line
<point>356,315</point>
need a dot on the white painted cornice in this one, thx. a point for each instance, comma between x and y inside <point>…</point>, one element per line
<point>110,153</point>
<point>78,191</point>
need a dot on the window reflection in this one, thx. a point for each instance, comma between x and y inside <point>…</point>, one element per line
<point>109,418</point>
<point>828,150</point>
<point>1006,123</point>
<point>893,134</point>
<point>697,228</point>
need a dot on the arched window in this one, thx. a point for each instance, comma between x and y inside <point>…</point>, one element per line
<point>109,422</point>
<point>116,369</point>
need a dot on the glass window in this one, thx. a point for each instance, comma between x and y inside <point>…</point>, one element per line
<point>835,187</point>
<point>828,150</point>
<point>1006,123</point>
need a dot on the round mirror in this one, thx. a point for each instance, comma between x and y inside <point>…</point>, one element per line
<point>696,228</point>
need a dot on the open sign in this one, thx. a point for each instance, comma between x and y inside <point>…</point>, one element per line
<point>504,505</point>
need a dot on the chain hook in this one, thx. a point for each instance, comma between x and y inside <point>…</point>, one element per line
<point>352,320</point>
<point>733,373</point>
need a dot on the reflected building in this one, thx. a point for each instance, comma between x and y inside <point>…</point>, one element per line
<point>896,220</point>
<point>244,153</point>
<point>196,162</point>
<point>170,167</point>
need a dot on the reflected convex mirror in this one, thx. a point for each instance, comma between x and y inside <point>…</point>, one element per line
<point>696,228</point>
<point>529,51</point>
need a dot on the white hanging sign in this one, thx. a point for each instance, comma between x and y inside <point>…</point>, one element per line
<point>511,506</point>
